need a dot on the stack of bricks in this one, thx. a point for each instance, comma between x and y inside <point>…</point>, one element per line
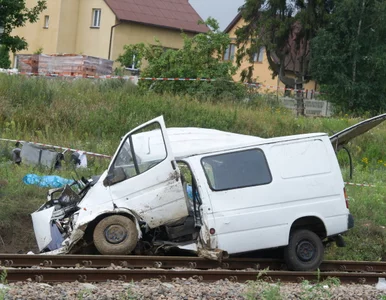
<point>64,65</point>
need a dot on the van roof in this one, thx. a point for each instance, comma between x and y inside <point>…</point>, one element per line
<point>189,141</point>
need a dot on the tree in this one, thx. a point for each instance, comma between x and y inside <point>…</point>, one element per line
<point>5,63</point>
<point>284,28</point>
<point>132,55</point>
<point>200,57</point>
<point>349,56</point>
<point>13,14</point>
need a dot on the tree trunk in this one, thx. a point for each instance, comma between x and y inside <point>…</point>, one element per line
<point>300,109</point>
<point>354,67</point>
<point>355,56</point>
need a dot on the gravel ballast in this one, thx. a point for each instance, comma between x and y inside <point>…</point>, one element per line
<point>184,289</point>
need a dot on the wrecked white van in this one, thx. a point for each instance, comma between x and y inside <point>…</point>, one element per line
<point>214,192</point>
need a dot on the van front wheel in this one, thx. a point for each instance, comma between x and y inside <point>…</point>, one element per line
<point>115,235</point>
<point>304,252</point>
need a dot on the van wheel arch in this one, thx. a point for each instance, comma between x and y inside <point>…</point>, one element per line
<point>310,223</point>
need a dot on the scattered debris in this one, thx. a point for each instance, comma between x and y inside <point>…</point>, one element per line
<point>79,159</point>
<point>36,155</point>
<point>381,285</point>
<point>16,154</point>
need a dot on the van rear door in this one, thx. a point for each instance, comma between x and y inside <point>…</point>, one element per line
<point>341,138</point>
<point>144,178</point>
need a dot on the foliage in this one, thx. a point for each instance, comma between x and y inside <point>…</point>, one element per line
<point>3,281</point>
<point>3,277</point>
<point>132,55</point>
<point>262,290</point>
<point>200,57</point>
<point>83,294</point>
<point>259,289</point>
<point>318,290</point>
<point>13,14</point>
<point>128,295</point>
<point>5,63</point>
<point>284,28</point>
<point>38,51</point>
<point>349,56</point>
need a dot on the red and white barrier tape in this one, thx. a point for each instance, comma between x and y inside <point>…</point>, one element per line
<point>108,156</point>
<point>78,76</point>
<point>360,184</point>
<point>58,147</point>
<point>255,85</point>
<point>175,79</point>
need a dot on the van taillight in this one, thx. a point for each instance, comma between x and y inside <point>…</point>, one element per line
<point>345,197</point>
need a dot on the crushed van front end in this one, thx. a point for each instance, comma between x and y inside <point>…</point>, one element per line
<point>53,222</point>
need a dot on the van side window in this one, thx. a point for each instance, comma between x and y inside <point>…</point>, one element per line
<point>140,152</point>
<point>236,170</point>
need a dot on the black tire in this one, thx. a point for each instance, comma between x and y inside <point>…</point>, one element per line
<point>304,252</point>
<point>115,235</point>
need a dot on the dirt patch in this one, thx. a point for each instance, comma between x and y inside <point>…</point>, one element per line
<point>18,237</point>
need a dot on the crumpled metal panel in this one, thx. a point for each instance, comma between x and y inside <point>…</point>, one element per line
<point>341,138</point>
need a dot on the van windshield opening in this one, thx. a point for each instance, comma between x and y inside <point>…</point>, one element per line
<point>141,151</point>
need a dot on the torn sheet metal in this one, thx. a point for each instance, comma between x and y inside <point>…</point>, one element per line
<point>42,226</point>
<point>215,254</point>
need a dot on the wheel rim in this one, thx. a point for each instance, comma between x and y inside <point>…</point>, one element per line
<point>305,250</point>
<point>115,234</point>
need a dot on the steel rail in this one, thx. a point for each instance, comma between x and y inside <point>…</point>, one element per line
<point>168,262</point>
<point>128,275</point>
<point>134,261</point>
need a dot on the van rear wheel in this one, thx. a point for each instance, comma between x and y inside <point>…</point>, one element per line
<point>115,235</point>
<point>304,252</point>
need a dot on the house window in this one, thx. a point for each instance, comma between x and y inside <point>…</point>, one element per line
<point>46,21</point>
<point>230,52</point>
<point>236,170</point>
<point>96,17</point>
<point>258,57</point>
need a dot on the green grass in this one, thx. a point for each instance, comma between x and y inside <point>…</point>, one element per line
<point>3,281</point>
<point>92,116</point>
<point>309,290</point>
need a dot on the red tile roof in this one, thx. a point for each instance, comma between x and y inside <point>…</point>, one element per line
<point>176,14</point>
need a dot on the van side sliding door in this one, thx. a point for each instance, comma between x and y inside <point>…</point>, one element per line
<point>240,192</point>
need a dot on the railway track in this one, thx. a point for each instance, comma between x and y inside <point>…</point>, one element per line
<point>97,268</point>
<point>168,262</point>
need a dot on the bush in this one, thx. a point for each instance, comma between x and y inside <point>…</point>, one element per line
<point>200,57</point>
<point>5,62</point>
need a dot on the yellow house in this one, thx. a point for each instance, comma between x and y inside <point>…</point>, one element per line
<point>102,27</point>
<point>261,72</point>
